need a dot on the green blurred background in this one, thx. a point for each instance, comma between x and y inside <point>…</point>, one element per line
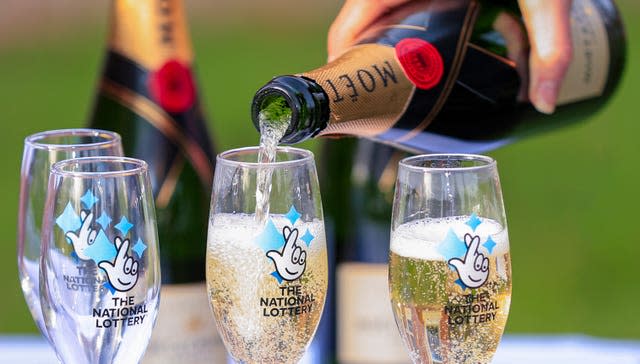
<point>571,196</point>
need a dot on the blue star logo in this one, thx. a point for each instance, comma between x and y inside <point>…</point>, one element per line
<point>102,249</point>
<point>459,283</point>
<point>307,237</point>
<point>489,244</point>
<point>292,215</point>
<point>68,220</point>
<point>89,199</point>
<point>473,221</point>
<point>104,220</point>
<point>271,238</point>
<point>139,247</point>
<point>277,276</point>
<point>124,225</point>
<point>452,246</point>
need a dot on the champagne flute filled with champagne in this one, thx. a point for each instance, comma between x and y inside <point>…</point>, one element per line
<point>266,263</point>
<point>450,269</point>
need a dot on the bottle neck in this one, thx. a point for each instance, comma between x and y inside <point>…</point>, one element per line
<point>301,98</point>
<point>150,32</point>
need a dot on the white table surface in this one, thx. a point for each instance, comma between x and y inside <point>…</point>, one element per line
<point>514,349</point>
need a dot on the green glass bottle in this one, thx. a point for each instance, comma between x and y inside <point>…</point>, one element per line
<point>148,94</point>
<point>442,80</point>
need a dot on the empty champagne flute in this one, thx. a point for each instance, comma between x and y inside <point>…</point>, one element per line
<point>449,268</point>
<point>41,150</point>
<point>99,268</point>
<point>266,263</point>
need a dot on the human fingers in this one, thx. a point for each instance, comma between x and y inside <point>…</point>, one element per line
<point>515,36</point>
<point>353,19</point>
<point>549,28</point>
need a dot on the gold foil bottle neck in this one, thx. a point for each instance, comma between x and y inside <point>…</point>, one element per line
<point>150,32</point>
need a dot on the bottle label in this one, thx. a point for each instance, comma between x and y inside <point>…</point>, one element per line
<point>370,75</point>
<point>185,331</point>
<point>150,31</point>
<point>588,72</point>
<point>367,332</point>
<point>404,79</point>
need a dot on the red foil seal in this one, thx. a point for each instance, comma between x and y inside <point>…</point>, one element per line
<point>172,87</point>
<point>421,62</point>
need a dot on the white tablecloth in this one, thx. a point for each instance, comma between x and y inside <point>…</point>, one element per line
<point>514,349</point>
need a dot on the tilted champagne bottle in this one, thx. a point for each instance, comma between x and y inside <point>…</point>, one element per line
<point>148,94</point>
<point>474,107</point>
<point>441,80</point>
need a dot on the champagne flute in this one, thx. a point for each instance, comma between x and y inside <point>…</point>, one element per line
<point>266,265</point>
<point>449,268</point>
<point>99,266</point>
<point>42,150</point>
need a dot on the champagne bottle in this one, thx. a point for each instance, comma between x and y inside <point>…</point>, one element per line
<point>441,80</point>
<point>148,94</point>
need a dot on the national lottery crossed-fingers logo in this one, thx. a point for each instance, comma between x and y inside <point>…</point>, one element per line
<point>88,236</point>
<point>286,248</point>
<point>466,257</point>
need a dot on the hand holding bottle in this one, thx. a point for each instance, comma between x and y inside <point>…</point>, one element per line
<point>409,73</point>
<point>547,23</point>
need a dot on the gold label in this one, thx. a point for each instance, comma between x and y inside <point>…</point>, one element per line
<point>185,331</point>
<point>368,90</point>
<point>150,32</point>
<point>367,332</point>
<point>588,72</point>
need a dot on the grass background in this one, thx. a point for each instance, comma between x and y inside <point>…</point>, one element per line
<point>571,196</point>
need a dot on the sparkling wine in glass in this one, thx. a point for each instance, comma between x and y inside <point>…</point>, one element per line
<point>450,268</point>
<point>266,275</point>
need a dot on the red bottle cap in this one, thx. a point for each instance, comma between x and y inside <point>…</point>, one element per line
<point>172,87</point>
<point>421,61</point>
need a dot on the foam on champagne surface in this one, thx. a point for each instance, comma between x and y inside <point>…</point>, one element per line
<point>421,239</point>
